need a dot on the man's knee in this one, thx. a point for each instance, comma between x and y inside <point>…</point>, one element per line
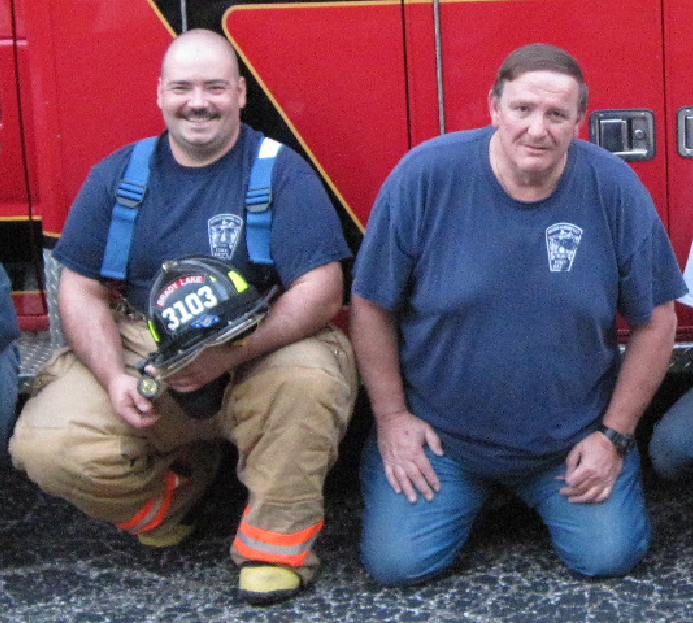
<point>65,460</point>
<point>611,556</point>
<point>9,381</point>
<point>388,570</point>
<point>398,566</point>
<point>309,374</point>
<point>41,454</point>
<point>670,452</point>
<point>318,386</point>
<point>393,555</point>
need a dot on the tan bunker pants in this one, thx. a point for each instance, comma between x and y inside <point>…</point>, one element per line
<point>285,412</point>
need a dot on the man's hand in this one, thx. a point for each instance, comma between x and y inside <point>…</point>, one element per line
<point>592,468</point>
<point>209,365</point>
<point>401,440</point>
<point>130,406</point>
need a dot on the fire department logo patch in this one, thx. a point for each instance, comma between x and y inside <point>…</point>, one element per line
<point>562,240</point>
<point>224,231</point>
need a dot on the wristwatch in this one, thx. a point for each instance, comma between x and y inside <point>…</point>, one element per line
<point>623,443</point>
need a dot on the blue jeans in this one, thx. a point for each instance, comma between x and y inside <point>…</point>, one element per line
<point>406,543</point>
<point>9,379</point>
<point>671,446</point>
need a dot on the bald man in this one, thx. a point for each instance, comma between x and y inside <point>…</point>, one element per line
<point>88,436</point>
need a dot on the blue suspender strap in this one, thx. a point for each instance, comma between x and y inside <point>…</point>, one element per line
<point>129,196</point>
<point>258,217</point>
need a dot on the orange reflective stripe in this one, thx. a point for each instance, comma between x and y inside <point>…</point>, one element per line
<point>259,544</point>
<point>284,540</point>
<point>143,521</point>
<point>140,517</point>
<point>255,554</point>
<point>172,482</point>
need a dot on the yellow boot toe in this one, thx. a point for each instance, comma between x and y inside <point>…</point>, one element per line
<point>260,583</point>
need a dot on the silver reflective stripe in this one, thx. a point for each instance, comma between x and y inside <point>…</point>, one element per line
<point>280,550</point>
<point>149,517</point>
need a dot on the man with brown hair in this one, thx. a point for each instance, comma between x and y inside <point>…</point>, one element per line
<point>484,312</point>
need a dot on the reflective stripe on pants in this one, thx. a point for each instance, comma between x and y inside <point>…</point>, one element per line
<point>291,549</point>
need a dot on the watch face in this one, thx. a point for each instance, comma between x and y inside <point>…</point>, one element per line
<point>623,443</point>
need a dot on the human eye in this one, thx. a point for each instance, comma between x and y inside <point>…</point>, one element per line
<point>217,88</point>
<point>179,88</point>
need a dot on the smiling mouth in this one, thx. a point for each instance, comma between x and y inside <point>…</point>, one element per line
<point>199,119</point>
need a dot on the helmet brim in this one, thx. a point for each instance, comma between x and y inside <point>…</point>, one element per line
<point>169,360</point>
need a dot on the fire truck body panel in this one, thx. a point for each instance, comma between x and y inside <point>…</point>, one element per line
<point>352,85</point>
<point>13,187</point>
<point>346,108</point>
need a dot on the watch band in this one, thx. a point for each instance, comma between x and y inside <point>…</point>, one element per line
<point>623,442</point>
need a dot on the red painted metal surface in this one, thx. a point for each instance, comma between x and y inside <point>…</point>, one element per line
<point>617,42</point>
<point>14,202</point>
<point>15,125</point>
<point>678,24</point>
<point>354,81</point>
<point>94,67</point>
<point>341,89</point>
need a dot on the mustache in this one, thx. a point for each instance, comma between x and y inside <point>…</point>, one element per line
<point>205,113</point>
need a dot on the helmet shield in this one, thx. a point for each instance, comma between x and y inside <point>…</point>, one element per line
<point>197,301</point>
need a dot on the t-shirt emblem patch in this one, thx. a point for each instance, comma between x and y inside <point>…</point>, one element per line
<point>224,231</point>
<point>562,240</point>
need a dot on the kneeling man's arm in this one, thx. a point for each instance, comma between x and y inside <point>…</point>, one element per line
<point>593,465</point>
<point>401,435</point>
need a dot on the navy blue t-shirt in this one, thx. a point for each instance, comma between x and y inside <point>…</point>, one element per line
<point>199,210</point>
<point>507,309</point>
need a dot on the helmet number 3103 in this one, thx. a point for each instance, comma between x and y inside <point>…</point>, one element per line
<point>193,304</point>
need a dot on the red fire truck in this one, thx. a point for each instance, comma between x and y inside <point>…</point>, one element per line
<point>351,84</point>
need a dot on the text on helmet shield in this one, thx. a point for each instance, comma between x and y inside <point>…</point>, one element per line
<point>174,285</point>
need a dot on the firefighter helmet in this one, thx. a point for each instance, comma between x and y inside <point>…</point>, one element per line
<point>199,301</point>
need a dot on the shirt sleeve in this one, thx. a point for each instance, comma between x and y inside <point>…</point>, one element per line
<point>650,277</point>
<point>386,259</point>
<point>82,243</point>
<point>306,231</point>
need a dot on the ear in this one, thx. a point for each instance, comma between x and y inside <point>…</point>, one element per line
<point>578,123</point>
<point>242,92</point>
<point>493,107</point>
<point>158,92</point>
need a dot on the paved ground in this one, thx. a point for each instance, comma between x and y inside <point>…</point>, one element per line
<point>57,566</point>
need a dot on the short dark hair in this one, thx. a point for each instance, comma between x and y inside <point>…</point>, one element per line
<point>541,57</point>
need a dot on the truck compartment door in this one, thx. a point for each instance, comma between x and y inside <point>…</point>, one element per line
<point>20,233</point>
<point>678,24</point>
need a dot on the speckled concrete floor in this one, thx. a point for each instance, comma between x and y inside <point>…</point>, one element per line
<point>56,566</point>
